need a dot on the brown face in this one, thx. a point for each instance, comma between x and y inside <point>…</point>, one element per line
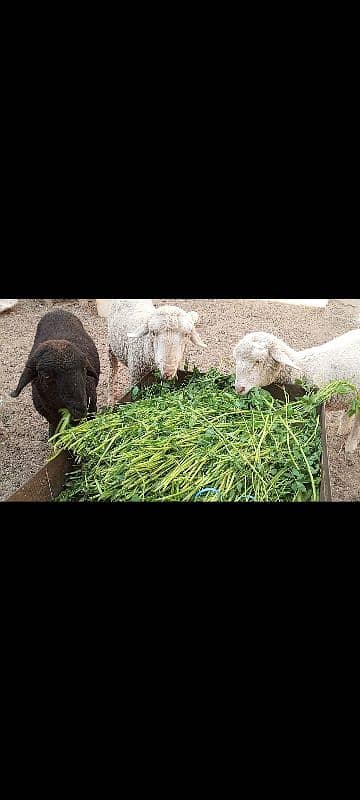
<point>59,374</point>
<point>64,389</point>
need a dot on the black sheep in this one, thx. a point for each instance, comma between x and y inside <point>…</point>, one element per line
<point>63,368</point>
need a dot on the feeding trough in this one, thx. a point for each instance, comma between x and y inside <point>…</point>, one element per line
<point>49,481</point>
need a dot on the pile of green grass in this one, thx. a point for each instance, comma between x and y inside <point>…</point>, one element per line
<point>198,442</point>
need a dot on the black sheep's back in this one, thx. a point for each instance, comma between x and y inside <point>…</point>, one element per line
<point>61,324</point>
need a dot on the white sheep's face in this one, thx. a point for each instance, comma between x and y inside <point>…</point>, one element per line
<point>169,336</point>
<point>255,365</point>
<point>169,330</point>
<point>169,349</point>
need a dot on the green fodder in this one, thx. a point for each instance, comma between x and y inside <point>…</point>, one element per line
<point>197,442</point>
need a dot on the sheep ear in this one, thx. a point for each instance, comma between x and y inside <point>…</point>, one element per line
<point>281,357</point>
<point>27,376</point>
<point>139,332</point>
<point>195,338</point>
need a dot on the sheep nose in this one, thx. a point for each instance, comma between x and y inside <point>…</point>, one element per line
<point>239,389</point>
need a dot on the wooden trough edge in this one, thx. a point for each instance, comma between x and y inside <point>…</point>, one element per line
<point>48,482</point>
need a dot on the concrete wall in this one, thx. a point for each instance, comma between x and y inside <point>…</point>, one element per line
<point>316,303</point>
<point>355,303</point>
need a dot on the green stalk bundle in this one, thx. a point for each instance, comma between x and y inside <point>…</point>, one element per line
<point>197,442</point>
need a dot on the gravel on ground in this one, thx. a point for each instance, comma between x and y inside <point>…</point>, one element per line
<point>23,433</point>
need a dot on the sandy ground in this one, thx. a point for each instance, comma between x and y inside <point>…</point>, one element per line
<point>23,433</point>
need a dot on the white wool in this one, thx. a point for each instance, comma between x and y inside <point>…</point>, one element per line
<point>262,359</point>
<point>6,304</point>
<point>144,337</point>
<point>103,307</point>
<point>338,359</point>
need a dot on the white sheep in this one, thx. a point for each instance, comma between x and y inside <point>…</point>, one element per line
<point>145,338</point>
<point>262,359</point>
<point>5,305</point>
<point>102,306</point>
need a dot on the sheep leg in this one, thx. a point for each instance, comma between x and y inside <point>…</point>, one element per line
<point>345,424</point>
<point>136,377</point>
<point>354,435</point>
<point>114,366</point>
<point>91,395</point>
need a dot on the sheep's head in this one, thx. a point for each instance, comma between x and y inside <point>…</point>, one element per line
<point>260,358</point>
<point>169,329</point>
<point>59,371</point>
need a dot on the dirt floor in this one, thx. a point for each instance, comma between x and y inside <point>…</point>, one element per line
<point>23,433</point>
